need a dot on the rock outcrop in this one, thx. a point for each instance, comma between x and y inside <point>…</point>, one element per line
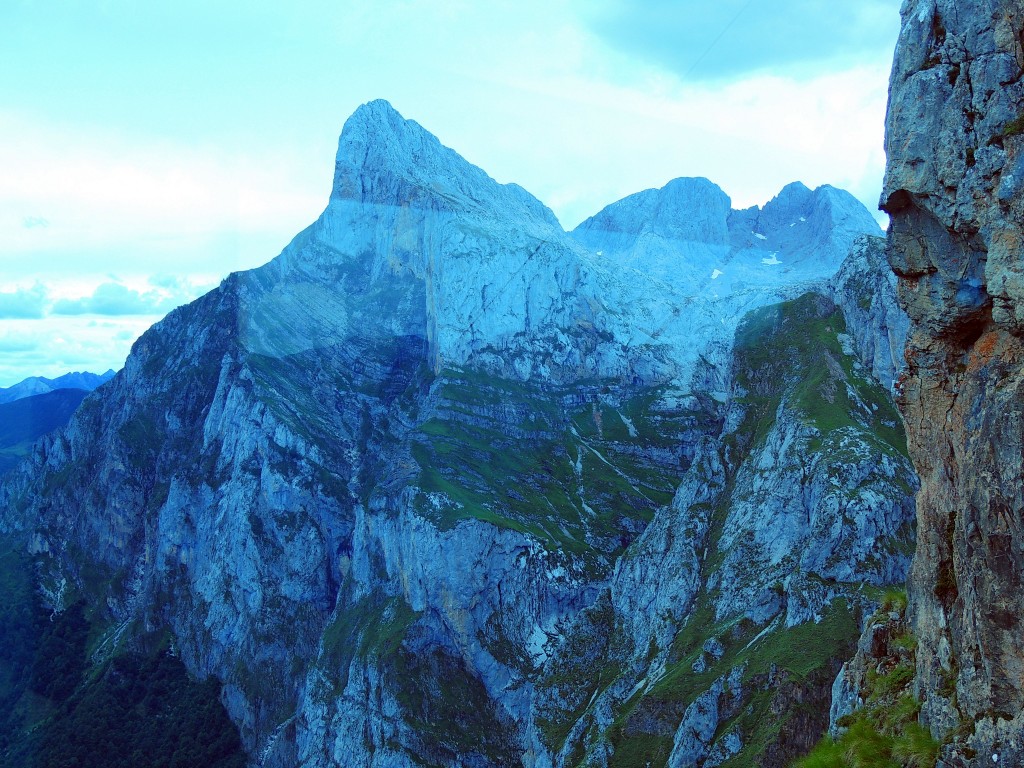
<point>25,420</point>
<point>954,188</point>
<point>865,289</point>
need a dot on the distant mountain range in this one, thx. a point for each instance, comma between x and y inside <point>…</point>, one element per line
<point>36,406</point>
<point>38,385</point>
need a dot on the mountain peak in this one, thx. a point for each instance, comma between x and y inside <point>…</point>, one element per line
<point>386,159</point>
<point>37,385</point>
<point>795,189</point>
<point>825,208</point>
<point>685,209</point>
<point>378,107</point>
<point>692,185</point>
<point>380,119</point>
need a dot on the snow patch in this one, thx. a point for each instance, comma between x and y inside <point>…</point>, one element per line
<point>628,422</point>
<point>535,644</point>
<point>759,236</point>
<point>771,260</point>
<point>716,274</point>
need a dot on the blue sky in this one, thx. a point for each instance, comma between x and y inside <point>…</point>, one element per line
<point>149,148</point>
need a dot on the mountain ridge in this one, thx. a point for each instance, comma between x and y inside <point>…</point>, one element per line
<point>383,487</point>
<point>37,385</point>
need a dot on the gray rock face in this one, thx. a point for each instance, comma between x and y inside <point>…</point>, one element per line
<point>26,419</point>
<point>443,484</point>
<point>876,324</point>
<point>701,719</point>
<point>953,190</point>
<point>803,498</point>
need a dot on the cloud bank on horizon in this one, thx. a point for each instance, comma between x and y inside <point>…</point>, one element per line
<point>194,139</point>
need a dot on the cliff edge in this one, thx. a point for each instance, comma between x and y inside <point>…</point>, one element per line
<point>954,188</point>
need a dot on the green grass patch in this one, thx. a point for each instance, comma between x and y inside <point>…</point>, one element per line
<point>801,651</point>
<point>1013,128</point>
<point>448,710</point>
<point>884,732</point>
<point>373,627</point>
<point>864,745</point>
<point>578,477</point>
<point>586,664</point>
<point>792,350</point>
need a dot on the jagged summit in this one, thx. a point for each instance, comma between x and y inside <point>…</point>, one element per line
<point>687,234</point>
<point>792,200</point>
<point>697,210</point>
<point>387,160</point>
<point>825,206</point>
<point>37,385</point>
<point>685,209</point>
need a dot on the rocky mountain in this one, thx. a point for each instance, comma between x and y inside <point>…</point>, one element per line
<point>443,484</point>
<point>953,187</point>
<point>38,385</point>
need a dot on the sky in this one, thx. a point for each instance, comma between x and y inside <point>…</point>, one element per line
<point>149,148</point>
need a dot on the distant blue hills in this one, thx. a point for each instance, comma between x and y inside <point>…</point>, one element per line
<point>38,385</point>
<point>36,406</point>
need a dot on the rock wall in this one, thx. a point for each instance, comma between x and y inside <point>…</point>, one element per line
<point>953,187</point>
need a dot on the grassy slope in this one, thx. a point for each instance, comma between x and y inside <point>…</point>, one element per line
<point>584,475</point>
<point>885,732</point>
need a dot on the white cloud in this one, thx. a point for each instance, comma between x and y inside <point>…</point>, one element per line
<point>24,302</point>
<point>72,188</point>
<point>580,124</point>
<point>116,299</point>
<point>56,345</point>
<point>730,38</point>
<point>751,137</point>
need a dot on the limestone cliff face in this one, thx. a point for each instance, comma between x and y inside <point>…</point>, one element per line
<point>954,188</point>
<point>865,289</point>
